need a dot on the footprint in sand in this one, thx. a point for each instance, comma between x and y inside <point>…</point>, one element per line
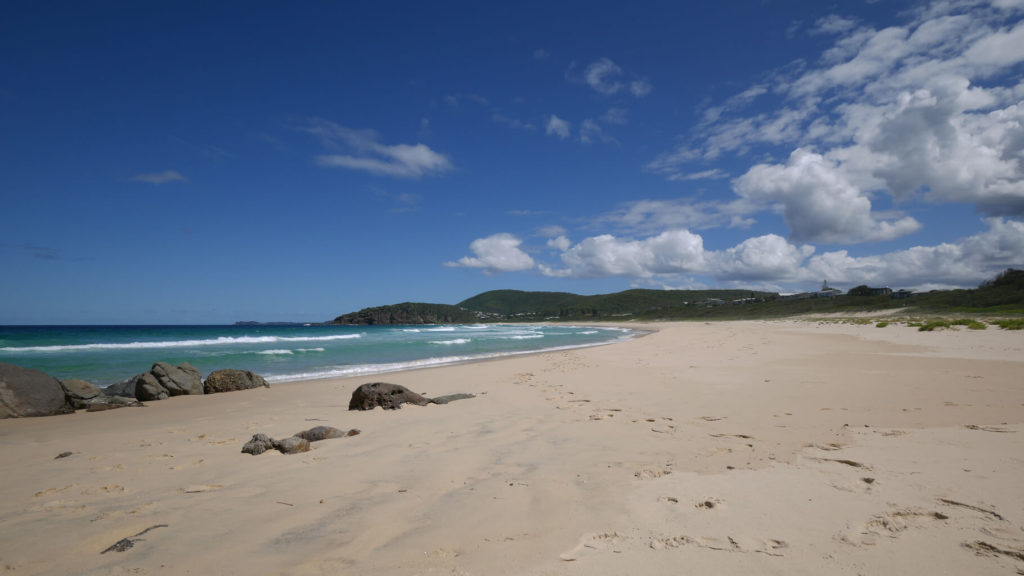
<point>890,525</point>
<point>740,544</point>
<point>590,543</point>
<point>648,473</point>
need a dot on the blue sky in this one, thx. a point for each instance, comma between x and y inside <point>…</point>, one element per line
<point>174,162</point>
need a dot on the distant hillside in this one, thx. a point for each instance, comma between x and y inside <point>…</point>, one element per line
<point>408,313</point>
<point>1002,295</point>
<point>511,302</point>
<point>564,305</point>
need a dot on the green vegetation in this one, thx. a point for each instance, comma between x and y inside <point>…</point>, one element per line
<point>638,303</point>
<point>1001,297</point>
<point>408,313</point>
<point>939,323</point>
<point>1010,324</point>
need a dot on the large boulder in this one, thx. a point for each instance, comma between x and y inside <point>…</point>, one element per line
<point>178,380</point>
<point>229,380</point>
<point>387,396</point>
<point>28,392</point>
<point>148,388</point>
<point>124,388</point>
<point>80,393</point>
<point>164,380</point>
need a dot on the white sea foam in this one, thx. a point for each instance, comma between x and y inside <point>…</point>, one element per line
<point>221,341</point>
<point>588,332</point>
<point>440,329</point>
<point>412,330</point>
<point>524,337</point>
<point>275,352</point>
<point>365,369</point>
<point>451,342</point>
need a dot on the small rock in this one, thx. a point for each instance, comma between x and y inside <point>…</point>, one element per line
<point>63,455</point>
<point>292,445</point>
<point>259,444</point>
<point>318,433</point>
<point>230,380</point>
<point>387,396</point>
<point>452,398</point>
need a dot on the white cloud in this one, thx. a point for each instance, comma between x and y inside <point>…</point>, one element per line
<point>713,174</point>
<point>601,76</point>
<point>762,258</point>
<point>540,54</point>
<point>399,160</point>
<point>551,231</point>
<point>496,253</point>
<point>818,201</point>
<point>833,24</point>
<point>606,77</point>
<point>557,127</point>
<point>653,216</point>
<point>560,243</point>
<point>512,122</point>
<point>931,110</point>
<point>962,263</point>
<point>771,260</point>
<point>615,116</point>
<point>640,88</point>
<point>670,252</point>
<point>159,177</point>
<point>591,131</point>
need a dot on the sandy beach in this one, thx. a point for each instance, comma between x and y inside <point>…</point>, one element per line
<point>782,447</point>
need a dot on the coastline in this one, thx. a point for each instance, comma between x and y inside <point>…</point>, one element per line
<point>727,447</point>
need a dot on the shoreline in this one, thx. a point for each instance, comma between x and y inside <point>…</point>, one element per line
<point>727,447</point>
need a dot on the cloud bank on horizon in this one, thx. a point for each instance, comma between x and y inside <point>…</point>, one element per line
<point>924,113</point>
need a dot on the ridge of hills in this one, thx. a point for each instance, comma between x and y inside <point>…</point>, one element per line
<point>1003,295</point>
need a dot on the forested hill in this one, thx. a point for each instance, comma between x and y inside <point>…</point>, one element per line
<point>628,302</point>
<point>516,304</point>
<point>408,313</point>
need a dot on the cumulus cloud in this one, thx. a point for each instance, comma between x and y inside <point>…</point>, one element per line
<point>366,153</point>
<point>496,253</point>
<point>961,263</point>
<point>771,260</point>
<point>159,177</point>
<point>818,201</point>
<point>605,255</point>
<point>557,127</point>
<point>763,258</point>
<point>931,110</point>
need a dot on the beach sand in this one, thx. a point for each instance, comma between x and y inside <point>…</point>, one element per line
<point>782,447</point>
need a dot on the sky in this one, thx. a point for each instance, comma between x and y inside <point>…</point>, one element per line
<point>183,162</point>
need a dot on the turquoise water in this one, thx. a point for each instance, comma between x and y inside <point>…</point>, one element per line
<point>104,355</point>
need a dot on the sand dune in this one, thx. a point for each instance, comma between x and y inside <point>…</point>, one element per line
<point>787,447</point>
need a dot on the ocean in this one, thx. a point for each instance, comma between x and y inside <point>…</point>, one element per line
<point>104,355</point>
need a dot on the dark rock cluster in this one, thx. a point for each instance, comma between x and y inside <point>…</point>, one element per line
<point>27,392</point>
<point>298,442</point>
<point>392,396</point>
